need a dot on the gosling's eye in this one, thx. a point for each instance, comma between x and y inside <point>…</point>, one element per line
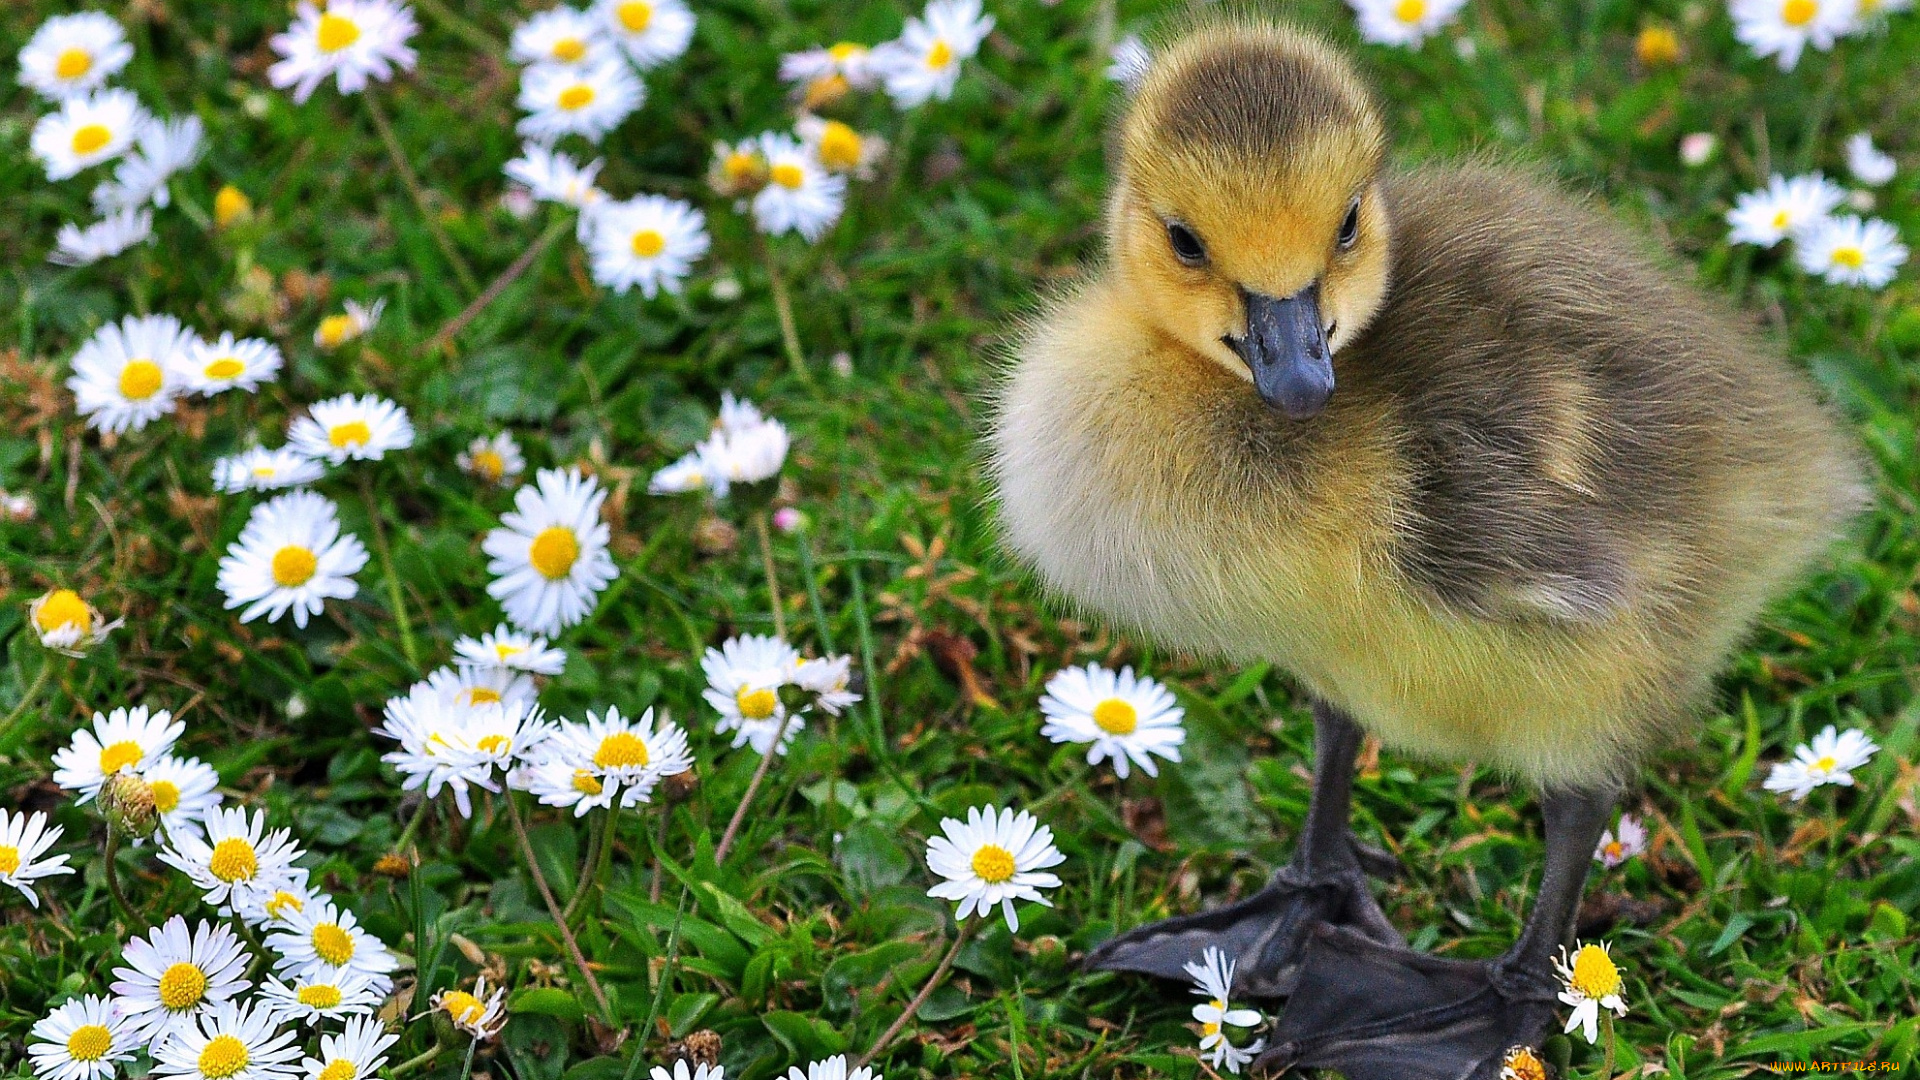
<point>1350,226</point>
<point>1186,246</point>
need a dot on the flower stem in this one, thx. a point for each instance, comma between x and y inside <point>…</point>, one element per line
<point>773,580</point>
<point>460,26</point>
<point>413,827</point>
<point>113,879</point>
<point>919,999</point>
<point>440,238</point>
<point>1071,781</point>
<point>759,775</point>
<point>1606,1030</point>
<point>553,908</point>
<point>418,1061</point>
<point>450,329</point>
<point>396,597</point>
<point>659,868</point>
<point>783,307</point>
<point>32,691</point>
<point>589,866</point>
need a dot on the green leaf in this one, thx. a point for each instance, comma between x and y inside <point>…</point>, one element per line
<point>805,1036</point>
<point>546,1001</point>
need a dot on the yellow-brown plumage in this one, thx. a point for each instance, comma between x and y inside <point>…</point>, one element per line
<point>1552,489</point>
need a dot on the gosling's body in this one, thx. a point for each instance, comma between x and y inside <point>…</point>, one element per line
<point>1551,492</point>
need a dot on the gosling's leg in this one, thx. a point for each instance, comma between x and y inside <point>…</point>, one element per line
<point>1379,1012</point>
<point>1267,932</point>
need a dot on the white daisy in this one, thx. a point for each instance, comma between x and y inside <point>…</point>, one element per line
<point>744,677</point>
<point>66,623</point>
<point>357,1053</point>
<point>923,63</point>
<point>237,861</point>
<point>355,322</point>
<point>1830,759</point>
<point>229,363</point>
<point>739,169</point>
<point>833,1068</point>
<point>1783,28</point>
<point>273,910</point>
<point>232,1041</point>
<point>75,246</point>
<point>1213,980</point>
<point>1872,11</point>
<point>1868,164</point>
<point>315,998</point>
<point>480,1014</point>
<point>549,556</point>
<point>1403,22</point>
<point>589,100</point>
<point>472,686</point>
<point>1782,209</point>
<point>73,54</point>
<point>747,454</point>
<point>432,733</point>
<point>823,76</point>
<point>496,460</point>
<point>86,131</point>
<point>362,428</point>
<point>124,740</point>
<point>323,940</point>
<point>649,240</point>
<point>562,36</point>
<point>553,177</point>
<point>682,1071</point>
<point>1128,61</point>
<point>23,839</point>
<point>557,781</point>
<point>830,680</point>
<point>800,195</point>
<point>505,647</point>
<point>165,147</point>
<point>261,469</point>
<point>1850,251</point>
<point>291,555</point>
<point>82,1039</point>
<point>1592,983</point>
<point>351,40</point>
<point>617,754</point>
<point>838,147</point>
<point>1126,717</point>
<point>994,857</point>
<point>184,789</point>
<point>687,474</point>
<point>174,975</point>
<point>122,377</point>
<point>651,32</point>
<point>1631,841</point>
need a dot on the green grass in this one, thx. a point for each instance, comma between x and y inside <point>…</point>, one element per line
<point>1779,932</point>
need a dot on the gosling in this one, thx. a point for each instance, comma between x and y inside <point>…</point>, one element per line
<point>1443,443</point>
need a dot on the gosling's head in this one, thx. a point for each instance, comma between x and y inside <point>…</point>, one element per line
<point>1246,219</point>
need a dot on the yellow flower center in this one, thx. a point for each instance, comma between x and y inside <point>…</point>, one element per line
<point>182,986</point>
<point>845,51</point>
<point>482,695</point>
<point>621,750</point>
<point>494,744</point>
<point>1523,1064</point>
<point>332,944</point>
<point>233,860</point>
<point>739,166</point>
<point>350,434</point>
<point>72,64</point>
<point>265,472</point>
<point>9,858</point>
<point>89,138</point>
<point>554,551</point>
<point>586,783</point>
<point>1594,974</point>
<point>62,608</point>
<point>939,55</point>
<point>166,795</point>
<point>1410,11</point>
<point>339,1069</point>
<point>569,50</point>
<point>993,863</point>
<point>463,1007</point>
<point>1211,1027</point>
<point>120,755</point>
<point>293,566</point>
<point>788,175</point>
<point>223,1056</point>
<point>336,33</point>
<point>1799,12</point>
<point>648,242</point>
<point>335,329</point>
<point>1851,257</point>
<point>1614,850</point>
<point>89,1042</point>
<point>320,996</point>
<point>1657,45</point>
<point>1825,764</point>
<point>1781,218</point>
<point>489,465</point>
<point>281,902</point>
<point>1116,717</point>
<point>505,652</point>
<point>635,15</point>
<point>577,96</point>
<point>229,203</point>
<point>140,380</point>
<point>225,368</point>
<point>840,146</point>
<point>756,704</point>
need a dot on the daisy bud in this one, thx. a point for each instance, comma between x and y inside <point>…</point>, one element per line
<point>698,1048</point>
<point>789,519</point>
<point>739,170</point>
<point>1657,46</point>
<point>1696,148</point>
<point>714,536</point>
<point>127,803</point>
<point>230,204</point>
<point>393,865</point>
<point>65,622</point>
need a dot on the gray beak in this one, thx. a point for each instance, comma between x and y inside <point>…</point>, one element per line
<point>1286,349</point>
